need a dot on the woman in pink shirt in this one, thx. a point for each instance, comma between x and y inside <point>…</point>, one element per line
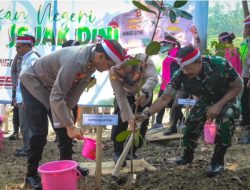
<point>231,53</point>
<point>169,66</point>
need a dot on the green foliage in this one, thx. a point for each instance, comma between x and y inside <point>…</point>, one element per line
<point>154,4</point>
<point>137,139</point>
<point>122,136</point>
<point>142,7</point>
<point>132,62</point>
<point>214,46</point>
<point>178,4</point>
<point>184,14</point>
<point>153,48</point>
<point>164,45</point>
<point>218,49</point>
<point>172,16</point>
<point>221,19</point>
<point>237,41</point>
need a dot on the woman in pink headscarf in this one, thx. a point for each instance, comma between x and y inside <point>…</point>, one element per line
<point>231,53</point>
<point>169,66</point>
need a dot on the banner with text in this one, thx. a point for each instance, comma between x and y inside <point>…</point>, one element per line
<point>53,22</point>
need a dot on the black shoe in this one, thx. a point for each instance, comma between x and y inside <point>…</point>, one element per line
<point>33,182</point>
<point>116,158</point>
<point>170,132</point>
<point>20,153</point>
<point>183,160</point>
<point>83,171</point>
<point>214,170</point>
<point>14,136</point>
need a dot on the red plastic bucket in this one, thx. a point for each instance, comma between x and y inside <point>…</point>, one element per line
<point>89,148</point>
<point>61,175</point>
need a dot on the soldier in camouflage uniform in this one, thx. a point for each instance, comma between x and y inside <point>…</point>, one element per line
<point>217,85</point>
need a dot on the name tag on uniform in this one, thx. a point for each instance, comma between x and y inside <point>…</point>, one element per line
<point>100,120</point>
<point>187,102</point>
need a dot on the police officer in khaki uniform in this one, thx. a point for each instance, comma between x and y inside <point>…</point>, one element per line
<point>217,85</point>
<point>126,82</point>
<point>55,83</point>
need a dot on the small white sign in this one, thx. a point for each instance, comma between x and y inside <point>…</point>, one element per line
<point>100,120</point>
<point>187,102</point>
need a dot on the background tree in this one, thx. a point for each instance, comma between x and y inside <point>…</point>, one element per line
<point>245,8</point>
<point>246,11</point>
<point>225,16</point>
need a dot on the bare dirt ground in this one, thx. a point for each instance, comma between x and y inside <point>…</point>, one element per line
<point>168,176</point>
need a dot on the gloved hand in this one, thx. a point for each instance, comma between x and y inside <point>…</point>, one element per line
<point>140,117</point>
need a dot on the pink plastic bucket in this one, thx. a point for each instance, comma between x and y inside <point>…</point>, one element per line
<point>89,148</point>
<point>209,132</point>
<point>61,175</point>
<point>1,139</point>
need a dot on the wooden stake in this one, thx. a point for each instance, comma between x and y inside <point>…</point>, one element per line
<point>122,158</point>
